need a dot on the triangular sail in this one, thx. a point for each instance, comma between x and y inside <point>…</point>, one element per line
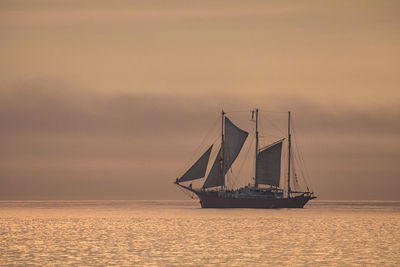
<point>215,177</point>
<point>233,143</point>
<point>198,170</point>
<point>268,168</point>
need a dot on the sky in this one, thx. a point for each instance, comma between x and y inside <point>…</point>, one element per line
<point>111,100</point>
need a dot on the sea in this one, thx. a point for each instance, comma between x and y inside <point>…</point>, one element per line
<point>180,233</point>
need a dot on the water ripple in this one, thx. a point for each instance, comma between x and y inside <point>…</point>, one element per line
<point>176,233</point>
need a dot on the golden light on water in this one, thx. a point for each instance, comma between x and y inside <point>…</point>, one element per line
<point>176,233</point>
<point>108,100</point>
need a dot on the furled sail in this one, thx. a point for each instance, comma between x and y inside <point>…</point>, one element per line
<point>233,143</point>
<point>268,168</point>
<point>198,170</point>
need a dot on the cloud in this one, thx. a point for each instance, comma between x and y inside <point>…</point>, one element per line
<point>37,109</point>
<point>54,109</point>
<point>58,141</point>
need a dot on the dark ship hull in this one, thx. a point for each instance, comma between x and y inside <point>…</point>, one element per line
<point>215,201</point>
<point>267,172</point>
<point>252,198</point>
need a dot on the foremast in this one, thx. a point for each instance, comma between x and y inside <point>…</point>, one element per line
<point>267,164</point>
<point>232,141</point>
<point>222,150</point>
<point>255,113</point>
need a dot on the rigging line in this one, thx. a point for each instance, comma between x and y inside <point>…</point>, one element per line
<point>296,164</point>
<point>209,131</point>
<point>199,147</point>
<point>273,136</point>
<point>296,183</point>
<point>263,134</point>
<point>260,125</point>
<point>298,161</point>
<point>297,158</point>
<point>236,177</point>
<point>275,127</point>
<point>186,193</point>
<point>300,152</point>
<point>270,111</point>
<point>307,181</point>
<point>272,144</point>
<point>231,169</point>
<point>236,111</point>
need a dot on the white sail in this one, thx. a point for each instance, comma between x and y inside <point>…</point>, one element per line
<point>268,168</point>
<point>233,143</point>
<point>198,170</point>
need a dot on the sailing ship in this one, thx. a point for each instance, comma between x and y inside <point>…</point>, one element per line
<point>264,193</point>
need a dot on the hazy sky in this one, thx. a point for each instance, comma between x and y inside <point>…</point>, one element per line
<point>103,99</point>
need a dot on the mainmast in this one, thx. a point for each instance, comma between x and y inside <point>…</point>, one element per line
<point>255,169</point>
<point>289,150</point>
<point>222,149</point>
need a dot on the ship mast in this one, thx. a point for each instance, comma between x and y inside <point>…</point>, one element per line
<point>255,169</point>
<point>222,149</point>
<point>289,150</point>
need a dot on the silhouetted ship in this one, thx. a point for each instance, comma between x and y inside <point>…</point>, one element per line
<point>264,193</point>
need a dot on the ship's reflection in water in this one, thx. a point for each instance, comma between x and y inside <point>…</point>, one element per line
<point>176,233</point>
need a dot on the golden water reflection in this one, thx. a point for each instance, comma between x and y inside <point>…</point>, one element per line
<point>176,233</point>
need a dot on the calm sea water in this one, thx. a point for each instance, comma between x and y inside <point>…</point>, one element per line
<point>176,233</point>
